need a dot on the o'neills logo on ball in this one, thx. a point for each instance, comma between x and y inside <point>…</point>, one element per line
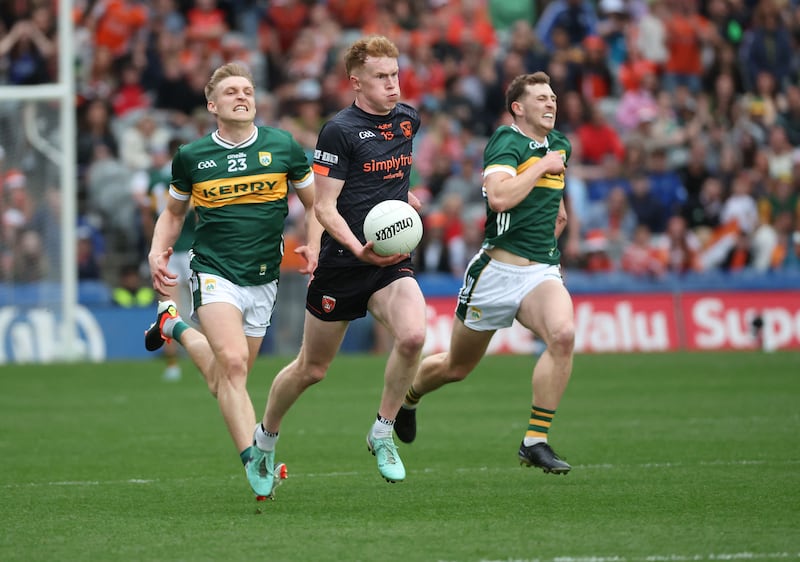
<point>393,229</point>
<point>328,303</point>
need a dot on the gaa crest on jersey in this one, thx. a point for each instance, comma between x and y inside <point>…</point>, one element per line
<point>474,313</point>
<point>405,126</point>
<point>210,284</point>
<point>265,158</point>
<point>328,303</point>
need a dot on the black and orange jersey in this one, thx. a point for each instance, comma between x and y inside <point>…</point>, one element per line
<point>372,154</point>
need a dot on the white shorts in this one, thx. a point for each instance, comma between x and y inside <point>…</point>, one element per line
<point>256,302</point>
<point>492,291</point>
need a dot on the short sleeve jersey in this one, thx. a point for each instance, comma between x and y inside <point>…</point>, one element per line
<point>527,230</point>
<point>372,154</point>
<point>240,198</point>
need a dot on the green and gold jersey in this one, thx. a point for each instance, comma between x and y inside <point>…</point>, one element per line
<point>240,198</point>
<point>527,230</point>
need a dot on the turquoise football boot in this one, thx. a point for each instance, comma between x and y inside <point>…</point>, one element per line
<point>389,464</point>
<point>260,471</point>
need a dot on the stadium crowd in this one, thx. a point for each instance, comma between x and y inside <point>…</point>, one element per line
<point>684,118</point>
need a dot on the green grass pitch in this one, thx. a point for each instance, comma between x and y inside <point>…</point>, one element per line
<point>676,457</point>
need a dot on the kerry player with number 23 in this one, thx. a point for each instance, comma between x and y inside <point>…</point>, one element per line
<point>516,273</point>
<point>238,178</point>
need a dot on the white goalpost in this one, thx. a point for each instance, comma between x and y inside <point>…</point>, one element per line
<point>64,157</point>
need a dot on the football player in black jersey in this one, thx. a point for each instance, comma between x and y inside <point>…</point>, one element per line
<point>363,156</point>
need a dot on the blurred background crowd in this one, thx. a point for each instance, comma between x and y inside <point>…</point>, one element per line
<point>684,118</point>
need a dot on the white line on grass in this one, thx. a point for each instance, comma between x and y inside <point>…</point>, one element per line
<point>658,557</point>
<point>349,474</point>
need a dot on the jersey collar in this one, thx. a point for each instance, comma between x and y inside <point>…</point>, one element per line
<point>228,144</point>
<point>534,143</point>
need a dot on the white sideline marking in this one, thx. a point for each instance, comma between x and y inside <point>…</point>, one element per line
<point>656,557</point>
<point>580,466</point>
<point>348,474</point>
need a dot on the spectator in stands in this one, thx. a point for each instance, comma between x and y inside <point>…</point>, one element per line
<point>729,21</point>
<point>286,20</point>
<point>115,23</point>
<point>779,217</point>
<point>577,17</point>
<point>595,258</point>
<point>702,209</point>
<point>94,128</point>
<point>789,115</point>
<point>726,62</point>
<point>615,26</point>
<point>90,261</point>
<point>137,141</point>
<point>19,205</point>
<point>614,219</point>
<point>174,94</point>
<point>723,101</point>
<point>650,36</point>
<point>206,23</point>
<point>783,250</point>
<point>696,170</point>
<point>688,33</point>
<point>648,209</point>
<point>638,105</point>
<point>739,256</point>
<point>131,291</point>
<point>780,154</point>
<point>523,41</point>
<point>665,183</point>
<point>767,45</point>
<point>130,95</point>
<point>29,48</point>
<point>599,139</point>
<point>640,258</point>
<point>600,180</point>
<point>679,248</point>
<point>433,254</point>
<point>108,194</point>
<point>303,115</point>
<point>596,80</point>
<point>739,214</point>
<point>573,112</point>
<point>29,264</point>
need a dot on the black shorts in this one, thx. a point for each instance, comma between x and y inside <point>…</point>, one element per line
<point>342,293</point>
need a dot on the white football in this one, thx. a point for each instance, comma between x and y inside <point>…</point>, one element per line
<point>394,226</point>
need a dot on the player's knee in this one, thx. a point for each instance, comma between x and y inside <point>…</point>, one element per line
<point>234,365</point>
<point>457,373</point>
<point>312,373</point>
<point>410,344</point>
<point>562,339</point>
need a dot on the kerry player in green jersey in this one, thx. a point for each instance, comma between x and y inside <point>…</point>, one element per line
<point>238,180</point>
<point>516,274</point>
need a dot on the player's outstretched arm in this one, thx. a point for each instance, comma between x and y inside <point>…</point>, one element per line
<point>168,227</point>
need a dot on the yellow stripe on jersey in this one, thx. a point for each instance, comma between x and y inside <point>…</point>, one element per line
<point>256,188</point>
<point>549,181</point>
